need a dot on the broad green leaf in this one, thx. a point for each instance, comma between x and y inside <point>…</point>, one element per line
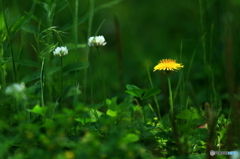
<point>52,70</point>
<point>131,87</point>
<point>74,67</point>
<point>150,92</point>
<point>94,114</point>
<point>188,114</point>
<point>27,62</point>
<point>38,110</point>
<point>130,138</point>
<point>112,113</point>
<point>141,93</point>
<point>72,91</point>
<point>166,121</point>
<point>135,92</point>
<point>32,76</point>
<point>83,120</point>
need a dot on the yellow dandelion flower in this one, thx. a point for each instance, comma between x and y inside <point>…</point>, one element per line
<point>168,65</point>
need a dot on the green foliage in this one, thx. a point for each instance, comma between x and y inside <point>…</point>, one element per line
<point>141,93</point>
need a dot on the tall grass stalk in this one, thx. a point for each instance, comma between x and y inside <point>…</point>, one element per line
<point>75,99</point>
<point>203,32</point>
<point>42,81</point>
<point>193,56</point>
<point>204,42</point>
<point>75,28</point>
<point>11,48</point>
<point>89,32</point>
<point>2,69</point>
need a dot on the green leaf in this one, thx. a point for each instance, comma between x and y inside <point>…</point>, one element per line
<point>131,87</point>
<point>33,76</point>
<point>52,70</point>
<point>150,92</point>
<point>38,110</point>
<point>130,138</point>
<point>112,113</point>
<point>106,5</point>
<point>141,93</point>
<point>74,67</point>
<point>83,120</point>
<point>16,24</point>
<point>135,92</point>
<point>94,114</point>
<point>166,121</point>
<point>188,114</point>
<point>27,62</point>
<point>72,91</point>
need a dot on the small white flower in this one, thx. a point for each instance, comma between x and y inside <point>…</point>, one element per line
<point>16,90</point>
<point>97,41</point>
<point>60,51</point>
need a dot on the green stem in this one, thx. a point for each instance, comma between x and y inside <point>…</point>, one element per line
<point>42,82</point>
<point>61,84</point>
<point>170,97</point>
<point>91,95</point>
<point>171,113</point>
<point>2,69</point>
<point>75,99</point>
<point>103,82</point>
<point>89,32</point>
<point>144,114</point>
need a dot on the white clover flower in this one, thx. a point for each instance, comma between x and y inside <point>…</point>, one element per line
<point>16,90</point>
<point>97,41</point>
<point>60,51</point>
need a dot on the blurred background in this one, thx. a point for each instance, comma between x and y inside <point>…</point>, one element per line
<point>202,35</point>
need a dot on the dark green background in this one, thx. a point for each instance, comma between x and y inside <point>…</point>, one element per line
<point>140,32</point>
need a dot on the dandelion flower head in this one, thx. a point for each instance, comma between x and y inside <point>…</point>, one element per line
<point>97,41</point>
<point>60,51</point>
<point>168,65</point>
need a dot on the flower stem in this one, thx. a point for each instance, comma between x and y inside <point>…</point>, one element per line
<point>170,97</point>
<point>171,113</point>
<point>91,95</point>
<point>61,84</point>
<point>104,87</point>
